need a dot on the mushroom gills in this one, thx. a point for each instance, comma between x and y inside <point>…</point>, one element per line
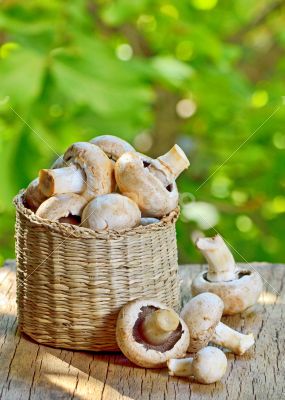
<point>158,326</point>
<point>144,334</point>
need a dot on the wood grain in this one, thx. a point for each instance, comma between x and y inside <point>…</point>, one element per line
<point>32,371</point>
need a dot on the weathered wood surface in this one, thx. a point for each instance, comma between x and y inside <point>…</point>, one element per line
<point>32,371</point>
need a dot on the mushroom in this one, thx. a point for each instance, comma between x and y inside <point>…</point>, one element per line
<point>65,208</point>
<point>202,315</point>
<point>238,288</point>
<point>149,221</point>
<point>208,365</point>
<point>33,197</point>
<point>151,183</point>
<point>111,211</point>
<point>89,172</point>
<point>149,333</point>
<point>113,146</point>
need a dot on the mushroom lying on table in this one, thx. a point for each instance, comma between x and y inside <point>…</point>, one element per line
<point>238,288</point>
<point>65,208</point>
<point>150,333</point>
<point>113,146</point>
<point>151,183</point>
<point>208,365</point>
<point>89,172</point>
<point>111,211</point>
<point>202,315</point>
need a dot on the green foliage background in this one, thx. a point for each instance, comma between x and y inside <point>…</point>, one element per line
<point>72,70</point>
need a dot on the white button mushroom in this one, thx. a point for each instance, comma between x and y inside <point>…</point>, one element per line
<point>208,365</point>
<point>111,211</point>
<point>150,183</point>
<point>150,333</point>
<point>113,146</point>
<point>90,173</point>
<point>238,288</point>
<point>66,208</point>
<point>202,315</point>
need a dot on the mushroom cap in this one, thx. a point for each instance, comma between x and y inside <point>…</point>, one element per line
<point>97,166</point>
<point>209,365</point>
<point>132,344</point>
<point>113,146</point>
<point>237,295</point>
<point>111,211</point>
<point>33,196</point>
<point>137,182</point>
<point>202,314</point>
<point>60,206</point>
<point>59,163</point>
<point>149,221</point>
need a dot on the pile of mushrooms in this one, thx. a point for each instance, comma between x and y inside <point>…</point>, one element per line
<point>151,335</point>
<point>105,184</point>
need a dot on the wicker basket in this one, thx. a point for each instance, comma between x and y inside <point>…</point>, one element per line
<point>71,281</point>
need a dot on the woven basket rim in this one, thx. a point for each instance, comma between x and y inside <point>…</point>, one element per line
<point>80,232</point>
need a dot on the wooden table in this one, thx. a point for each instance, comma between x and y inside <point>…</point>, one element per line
<point>32,371</point>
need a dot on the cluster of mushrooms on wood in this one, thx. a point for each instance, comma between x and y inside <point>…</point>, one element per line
<point>152,335</point>
<point>105,184</point>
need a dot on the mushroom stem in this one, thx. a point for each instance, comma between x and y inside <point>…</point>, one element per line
<point>158,326</point>
<point>180,367</point>
<point>222,266</point>
<point>169,166</point>
<point>235,341</point>
<point>61,180</point>
<point>175,160</point>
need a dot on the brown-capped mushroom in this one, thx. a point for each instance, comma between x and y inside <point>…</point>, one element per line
<point>65,208</point>
<point>238,288</point>
<point>151,183</point>
<point>113,146</point>
<point>111,211</point>
<point>202,315</point>
<point>33,196</point>
<point>89,172</point>
<point>150,333</point>
<point>207,366</point>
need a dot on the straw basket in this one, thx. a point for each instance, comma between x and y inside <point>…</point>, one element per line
<point>71,281</point>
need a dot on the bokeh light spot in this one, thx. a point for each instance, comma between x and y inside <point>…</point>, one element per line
<point>185,108</point>
<point>124,52</point>
<point>259,99</point>
<point>146,23</point>
<point>220,186</point>
<point>244,223</point>
<point>55,110</point>
<point>204,4</point>
<point>279,140</point>
<point>7,48</point>
<point>278,204</point>
<point>184,50</point>
<point>204,214</point>
<point>239,197</point>
<point>170,11</point>
<point>143,142</point>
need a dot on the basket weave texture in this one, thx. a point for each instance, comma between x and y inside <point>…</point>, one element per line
<point>72,281</point>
